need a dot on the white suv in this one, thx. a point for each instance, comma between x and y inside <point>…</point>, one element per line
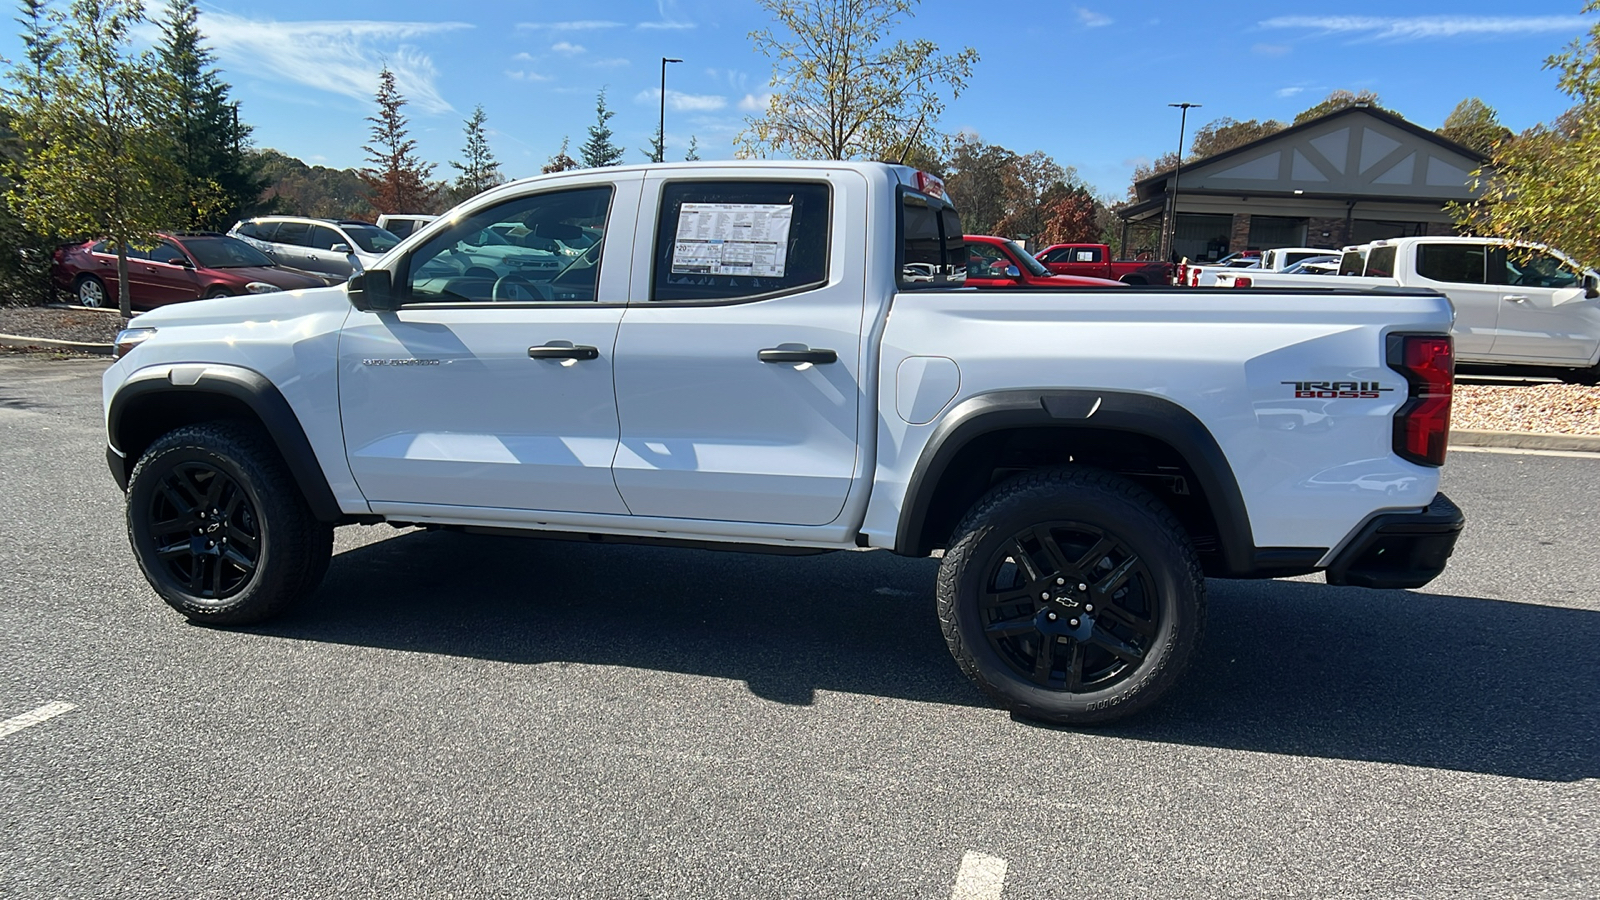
<point>340,247</point>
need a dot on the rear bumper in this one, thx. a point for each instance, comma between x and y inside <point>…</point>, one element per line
<point>1400,550</point>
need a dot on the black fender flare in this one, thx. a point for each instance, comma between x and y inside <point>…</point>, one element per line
<point>255,391</point>
<point>1143,414</point>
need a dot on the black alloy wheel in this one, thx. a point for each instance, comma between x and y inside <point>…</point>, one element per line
<point>207,534</point>
<point>1069,606</point>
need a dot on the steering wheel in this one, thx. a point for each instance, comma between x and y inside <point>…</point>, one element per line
<point>523,289</point>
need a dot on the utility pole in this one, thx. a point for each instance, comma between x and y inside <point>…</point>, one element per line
<point>661,126</point>
<point>1172,224</point>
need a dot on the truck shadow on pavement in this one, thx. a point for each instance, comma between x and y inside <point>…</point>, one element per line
<point>1305,669</point>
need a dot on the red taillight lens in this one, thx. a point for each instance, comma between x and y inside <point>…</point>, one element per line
<point>1422,424</point>
<point>1242,281</point>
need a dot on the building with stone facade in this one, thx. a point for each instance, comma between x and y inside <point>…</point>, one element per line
<point>1356,175</point>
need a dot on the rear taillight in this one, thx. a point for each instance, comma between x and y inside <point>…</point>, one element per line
<point>1422,423</point>
<point>1242,281</point>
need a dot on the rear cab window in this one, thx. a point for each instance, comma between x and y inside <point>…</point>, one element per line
<point>741,240</point>
<point>933,251</point>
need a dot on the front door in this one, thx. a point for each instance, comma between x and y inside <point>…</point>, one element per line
<point>739,358</point>
<point>488,388</point>
<point>167,276</point>
<point>1544,313</point>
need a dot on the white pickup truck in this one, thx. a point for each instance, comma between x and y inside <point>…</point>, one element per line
<point>1515,305</point>
<point>780,357</point>
<point>1275,260</point>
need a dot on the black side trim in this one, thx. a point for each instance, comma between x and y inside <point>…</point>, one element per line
<point>589,537</point>
<point>1400,550</point>
<point>252,389</point>
<point>1142,414</point>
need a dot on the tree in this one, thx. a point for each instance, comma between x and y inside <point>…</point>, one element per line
<point>560,161</point>
<point>1544,186</point>
<point>481,171</point>
<point>95,159</point>
<point>840,90</point>
<point>1069,216</point>
<point>298,189</point>
<point>219,184</point>
<point>976,181</point>
<point>1474,124</point>
<point>1166,162</point>
<point>693,153</point>
<point>1339,99</point>
<point>598,150</point>
<point>1224,134</point>
<point>397,180</point>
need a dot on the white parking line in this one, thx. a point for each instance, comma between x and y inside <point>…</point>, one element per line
<point>981,877</point>
<point>47,711</point>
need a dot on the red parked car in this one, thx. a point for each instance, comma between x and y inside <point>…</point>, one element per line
<point>184,266</point>
<point>994,262</point>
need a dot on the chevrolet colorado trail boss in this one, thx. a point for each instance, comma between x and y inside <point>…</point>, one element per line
<point>781,356</point>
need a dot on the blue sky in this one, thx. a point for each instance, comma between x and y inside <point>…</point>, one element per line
<point>1089,84</point>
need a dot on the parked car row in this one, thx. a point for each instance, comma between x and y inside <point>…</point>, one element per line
<point>256,256</point>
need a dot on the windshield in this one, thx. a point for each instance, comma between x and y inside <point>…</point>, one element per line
<point>371,238</point>
<point>1034,267</point>
<point>225,253</point>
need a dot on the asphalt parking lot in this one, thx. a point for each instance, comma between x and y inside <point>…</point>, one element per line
<point>456,716</point>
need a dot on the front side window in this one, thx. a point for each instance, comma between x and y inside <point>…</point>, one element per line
<point>1526,267</point>
<point>323,237</point>
<point>167,253</point>
<point>732,240</point>
<point>986,261</point>
<point>1452,263</point>
<point>476,261</point>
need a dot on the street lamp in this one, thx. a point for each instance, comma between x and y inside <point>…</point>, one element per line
<point>661,126</point>
<point>1172,229</point>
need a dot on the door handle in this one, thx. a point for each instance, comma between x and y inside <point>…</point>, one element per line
<point>802,355</point>
<point>1515,298</point>
<point>548,352</point>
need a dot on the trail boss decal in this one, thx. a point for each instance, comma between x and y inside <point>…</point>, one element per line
<point>1338,390</point>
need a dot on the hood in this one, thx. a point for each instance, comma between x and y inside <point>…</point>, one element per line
<point>275,306</point>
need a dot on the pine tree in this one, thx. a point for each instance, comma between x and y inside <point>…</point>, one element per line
<point>221,182</point>
<point>694,149</point>
<point>41,40</point>
<point>481,171</point>
<point>598,150</point>
<point>560,162</point>
<point>397,179</point>
<point>658,148</point>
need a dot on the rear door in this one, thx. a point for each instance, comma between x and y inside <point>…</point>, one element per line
<point>739,357</point>
<point>1459,271</point>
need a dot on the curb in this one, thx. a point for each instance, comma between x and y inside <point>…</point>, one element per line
<point>1521,440</point>
<point>17,340</point>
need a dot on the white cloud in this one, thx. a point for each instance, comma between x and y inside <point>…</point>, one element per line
<point>1288,91</point>
<point>1088,18</point>
<point>755,102</point>
<point>1419,27</point>
<point>681,102</point>
<point>522,75</point>
<point>338,57</point>
<point>670,18</point>
<point>568,49</point>
<point>610,62</point>
<point>525,57</point>
<point>583,25</point>
<point>666,26</point>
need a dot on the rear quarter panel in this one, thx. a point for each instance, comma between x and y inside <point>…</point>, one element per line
<point>1309,469</point>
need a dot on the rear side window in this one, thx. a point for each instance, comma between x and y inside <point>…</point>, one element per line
<point>1352,263</point>
<point>933,249</point>
<point>295,233</point>
<point>731,240</point>
<point>1380,263</point>
<point>1453,263</point>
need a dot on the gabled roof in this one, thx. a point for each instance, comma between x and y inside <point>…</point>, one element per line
<point>1260,161</point>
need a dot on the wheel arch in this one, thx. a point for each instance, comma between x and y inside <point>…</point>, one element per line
<point>156,401</point>
<point>1155,441</point>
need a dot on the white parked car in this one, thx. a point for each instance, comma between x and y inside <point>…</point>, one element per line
<point>402,225</point>
<point>338,247</point>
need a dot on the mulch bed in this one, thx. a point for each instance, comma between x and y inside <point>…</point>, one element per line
<point>91,326</point>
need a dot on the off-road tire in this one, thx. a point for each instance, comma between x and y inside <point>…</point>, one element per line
<point>1170,586</point>
<point>292,548</point>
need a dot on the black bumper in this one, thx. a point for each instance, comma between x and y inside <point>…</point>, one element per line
<point>1400,550</point>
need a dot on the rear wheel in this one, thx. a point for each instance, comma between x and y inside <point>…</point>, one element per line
<point>91,291</point>
<point>219,526</point>
<point>1071,596</point>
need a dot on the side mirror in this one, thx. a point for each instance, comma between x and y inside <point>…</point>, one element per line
<point>183,262</point>
<point>340,248</point>
<point>372,291</point>
<point>1013,272</point>
<point>1591,285</point>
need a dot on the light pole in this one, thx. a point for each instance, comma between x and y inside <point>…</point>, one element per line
<point>661,126</point>
<point>1172,228</point>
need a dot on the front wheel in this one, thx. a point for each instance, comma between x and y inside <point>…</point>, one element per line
<point>219,526</point>
<point>1071,596</point>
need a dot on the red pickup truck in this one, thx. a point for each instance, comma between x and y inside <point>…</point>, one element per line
<point>1095,260</point>
<point>998,262</point>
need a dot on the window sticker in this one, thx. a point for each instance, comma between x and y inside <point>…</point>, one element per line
<point>732,239</point>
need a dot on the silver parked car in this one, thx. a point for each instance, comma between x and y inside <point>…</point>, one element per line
<point>339,247</point>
